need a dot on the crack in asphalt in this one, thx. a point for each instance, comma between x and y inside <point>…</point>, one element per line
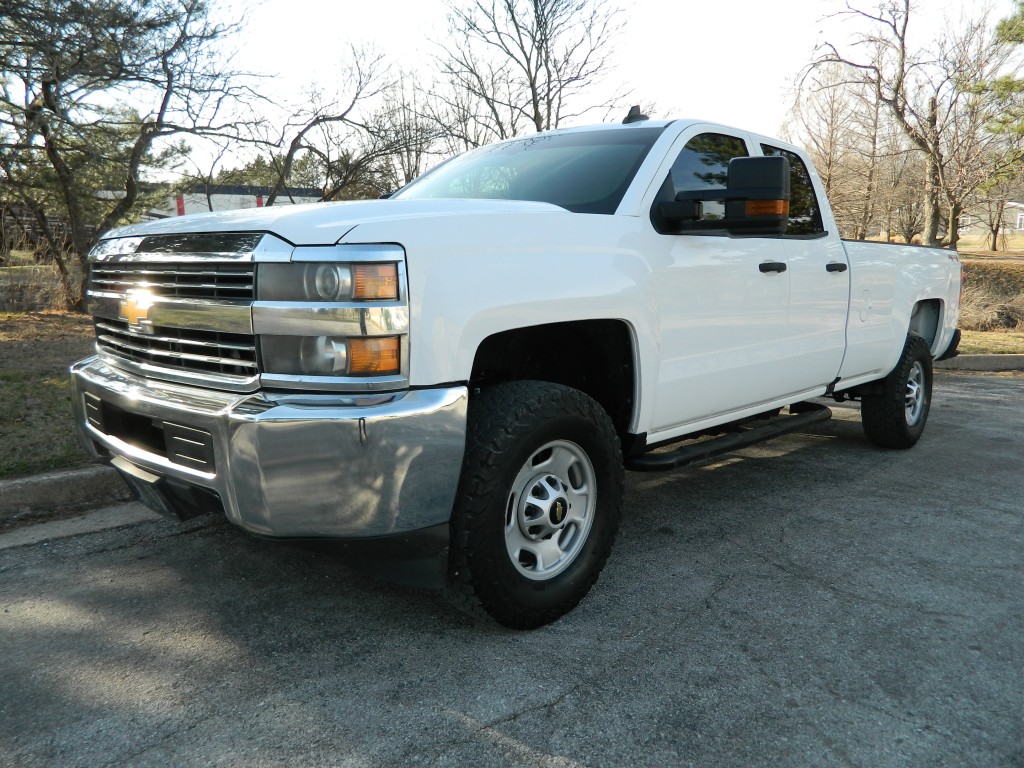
<point>792,569</point>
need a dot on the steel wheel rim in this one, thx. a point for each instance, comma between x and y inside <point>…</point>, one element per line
<point>914,397</point>
<point>550,510</point>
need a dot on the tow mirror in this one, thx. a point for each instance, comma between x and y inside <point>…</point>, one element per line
<point>757,197</point>
<point>756,200</point>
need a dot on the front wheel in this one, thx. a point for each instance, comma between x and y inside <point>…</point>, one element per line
<point>538,504</point>
<point>894,416</point>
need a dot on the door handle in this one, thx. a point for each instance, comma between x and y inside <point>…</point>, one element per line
<point>835,266</point>
<point>772,266</point>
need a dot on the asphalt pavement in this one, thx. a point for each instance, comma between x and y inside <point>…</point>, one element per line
<point>813,601</point>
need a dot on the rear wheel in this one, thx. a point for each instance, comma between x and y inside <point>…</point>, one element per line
<point>538,504</point>
<point>894,416</point>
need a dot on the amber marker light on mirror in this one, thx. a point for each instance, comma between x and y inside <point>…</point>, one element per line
<point>375,282</point>
<point>373,356</point>
<point>767,208</point>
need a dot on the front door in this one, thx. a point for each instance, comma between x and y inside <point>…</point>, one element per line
<point>742,321</point>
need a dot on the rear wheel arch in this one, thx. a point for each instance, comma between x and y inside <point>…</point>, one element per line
<point>925,320</point>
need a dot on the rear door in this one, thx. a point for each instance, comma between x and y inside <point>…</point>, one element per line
<point>819,283</point>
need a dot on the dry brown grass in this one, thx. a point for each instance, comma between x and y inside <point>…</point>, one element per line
<point>27,286</point>
<point>993,294</point>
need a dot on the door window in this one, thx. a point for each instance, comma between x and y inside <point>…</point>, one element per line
<point>804,213</point>
<point>704,164</point>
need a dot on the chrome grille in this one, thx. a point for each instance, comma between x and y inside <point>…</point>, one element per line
<point>232,282</point>
<point>232,354</point>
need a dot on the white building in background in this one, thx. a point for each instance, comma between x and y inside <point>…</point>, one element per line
<point>1012,225</point>
<point>1013,218</point>
<point>203,198</point>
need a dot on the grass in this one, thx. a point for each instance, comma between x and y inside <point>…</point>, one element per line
<point>36,429</point>
<point>1010,240</point>
<point>992,342</point>
<point>996,273</point>
<point>18,258</point>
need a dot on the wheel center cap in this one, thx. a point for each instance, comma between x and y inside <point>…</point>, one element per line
<point>559,510</point>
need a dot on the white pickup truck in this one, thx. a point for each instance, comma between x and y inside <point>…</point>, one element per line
<point>455,377</point>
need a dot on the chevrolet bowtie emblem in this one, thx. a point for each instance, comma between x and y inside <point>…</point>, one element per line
<point>559,511</point>
<point>135,309</point>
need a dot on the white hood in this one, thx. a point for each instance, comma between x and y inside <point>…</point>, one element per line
<point>325,223</point>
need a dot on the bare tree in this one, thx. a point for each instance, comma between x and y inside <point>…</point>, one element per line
<point>839,122</point>
<point>974,152</point>
<point>203,171</point>
<point>406,122</point>
<point>321,122</point>
<point>513,65</point>
<point>462,119</point>
<point>869,161</point>
<point>368,138</point>
<point>818,119</point>
<point>890,74</point>
<point>1005,179</point>
<point>939,99</point>
<point>900,207</point>
<point>905,206</point>
<point>65,63</point>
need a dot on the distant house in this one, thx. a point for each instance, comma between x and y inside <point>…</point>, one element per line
<point>202,198</point>
<point>1015,209</point>
<point>1013,221</point>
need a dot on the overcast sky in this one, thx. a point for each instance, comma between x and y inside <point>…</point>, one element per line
<point>730,61</point>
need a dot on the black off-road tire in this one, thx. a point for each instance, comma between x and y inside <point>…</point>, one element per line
<point>895,412</point>
<point>518,434</point>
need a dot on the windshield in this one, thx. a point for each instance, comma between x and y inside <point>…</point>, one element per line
<point>581,171</point>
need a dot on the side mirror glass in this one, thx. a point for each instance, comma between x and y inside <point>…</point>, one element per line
<point>675,213</point>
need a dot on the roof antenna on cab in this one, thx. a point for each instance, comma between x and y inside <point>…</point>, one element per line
<point>635,115</point>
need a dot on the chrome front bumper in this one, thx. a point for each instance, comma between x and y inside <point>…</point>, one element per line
<point>282,465</point>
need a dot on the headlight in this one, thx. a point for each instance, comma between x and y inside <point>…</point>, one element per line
<point>335,299</point>
<point>323,355</point>
<point>328,282</point>
<point>331,355</point>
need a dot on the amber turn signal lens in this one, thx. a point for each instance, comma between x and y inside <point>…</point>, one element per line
<point>767,208</point>
<point>375,281</point>
<point>373,357</point>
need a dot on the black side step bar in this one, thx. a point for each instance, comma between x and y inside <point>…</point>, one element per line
<point>807,414</point>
